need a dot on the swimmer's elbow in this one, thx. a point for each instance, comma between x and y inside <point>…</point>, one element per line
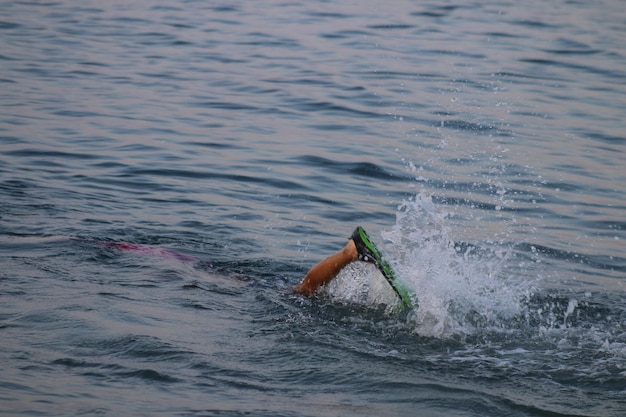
<point>303,289</point>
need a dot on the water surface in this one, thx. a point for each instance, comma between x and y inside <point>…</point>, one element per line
<point>479,143</point>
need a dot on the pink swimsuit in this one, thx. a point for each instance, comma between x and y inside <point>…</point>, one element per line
<point>150,251</point>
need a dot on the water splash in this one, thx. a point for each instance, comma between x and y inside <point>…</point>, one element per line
<point>460,287</point>
<point>362,283</point>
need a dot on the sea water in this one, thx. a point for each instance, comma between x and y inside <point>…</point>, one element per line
<point>168,171</point>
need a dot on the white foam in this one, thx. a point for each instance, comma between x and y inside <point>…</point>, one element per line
<point>458,290</point>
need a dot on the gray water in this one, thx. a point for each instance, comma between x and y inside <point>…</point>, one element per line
<point>480,144</point>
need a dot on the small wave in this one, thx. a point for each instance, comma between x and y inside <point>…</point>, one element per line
<point>437,11</point>
<point>601,262</point>
<point>149,375</point>
<point>547,63</point>
<point>362,169</point>
<point>103,370</point>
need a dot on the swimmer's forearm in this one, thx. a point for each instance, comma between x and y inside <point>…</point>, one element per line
<point>323,272</point>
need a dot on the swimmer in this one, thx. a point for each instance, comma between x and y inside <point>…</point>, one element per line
<point>358,248</point>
